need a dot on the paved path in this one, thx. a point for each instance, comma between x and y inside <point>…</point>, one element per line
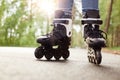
<point>20,64</point>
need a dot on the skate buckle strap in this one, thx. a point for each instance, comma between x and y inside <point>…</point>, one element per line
<point>91,21</point>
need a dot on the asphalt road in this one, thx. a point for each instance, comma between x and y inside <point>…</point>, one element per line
<point>20,64</point>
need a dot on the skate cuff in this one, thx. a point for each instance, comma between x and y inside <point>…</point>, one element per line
<point>61,21</point>
<point>91,21</point>
<point>67,23</point>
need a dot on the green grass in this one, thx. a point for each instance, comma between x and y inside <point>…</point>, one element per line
<point>115,48</point>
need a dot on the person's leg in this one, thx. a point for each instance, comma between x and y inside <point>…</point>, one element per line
<point>90,5</point>
<point>61,33</point>
<point>90,8</point>
<point>90,11</point>
<point>92,35</point>
<point>63,13</point>
<point>65,5</point>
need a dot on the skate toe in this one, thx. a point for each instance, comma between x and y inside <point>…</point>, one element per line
<point>96,42</point>
<point>42,40</point>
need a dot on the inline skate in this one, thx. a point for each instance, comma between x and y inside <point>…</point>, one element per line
<point>93,36</point>
<point>56,44</point>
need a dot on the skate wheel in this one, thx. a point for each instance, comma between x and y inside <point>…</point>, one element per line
<point>48,55</point>
<point>57,54</point>
<point>65,54</point>
<point>94,55</point>
<point>98,60</point>
<point>90,59</point>
<point>93,60</point>
<point>98,57</point>
<point>39,52</point>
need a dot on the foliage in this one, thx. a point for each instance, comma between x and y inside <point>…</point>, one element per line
<point>19,25</point>
<point>113,31</point>
<point>15,23</point>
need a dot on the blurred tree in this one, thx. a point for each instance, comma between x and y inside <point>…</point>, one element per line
<point>110,13</point>
<point>15,20</point>
<point>2,10</point>
<point>116,23</point>
<point>108,18</point>
<point>77,38</point>
<point>21,21</point>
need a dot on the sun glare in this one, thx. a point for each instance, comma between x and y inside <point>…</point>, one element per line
<point>48,6</point>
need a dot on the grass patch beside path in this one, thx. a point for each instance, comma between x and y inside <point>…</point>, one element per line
<point>114,50</point>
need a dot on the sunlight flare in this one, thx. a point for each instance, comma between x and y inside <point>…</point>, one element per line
<point>48,6</point>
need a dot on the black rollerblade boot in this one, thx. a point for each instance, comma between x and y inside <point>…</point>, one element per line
<point>95,38</point>
<point>60,37</point>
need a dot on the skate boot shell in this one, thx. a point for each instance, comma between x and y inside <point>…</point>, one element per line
<point>59,38</point>
<point>93,36</point>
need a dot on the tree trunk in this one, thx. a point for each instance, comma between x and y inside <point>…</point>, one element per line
<point>107,24</point>
<point>117,36</point>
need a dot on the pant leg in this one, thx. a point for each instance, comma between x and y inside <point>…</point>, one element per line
<point>64,9</point>
<point>65,5</point>
<point>90,9</point>
<point>90,4</point>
